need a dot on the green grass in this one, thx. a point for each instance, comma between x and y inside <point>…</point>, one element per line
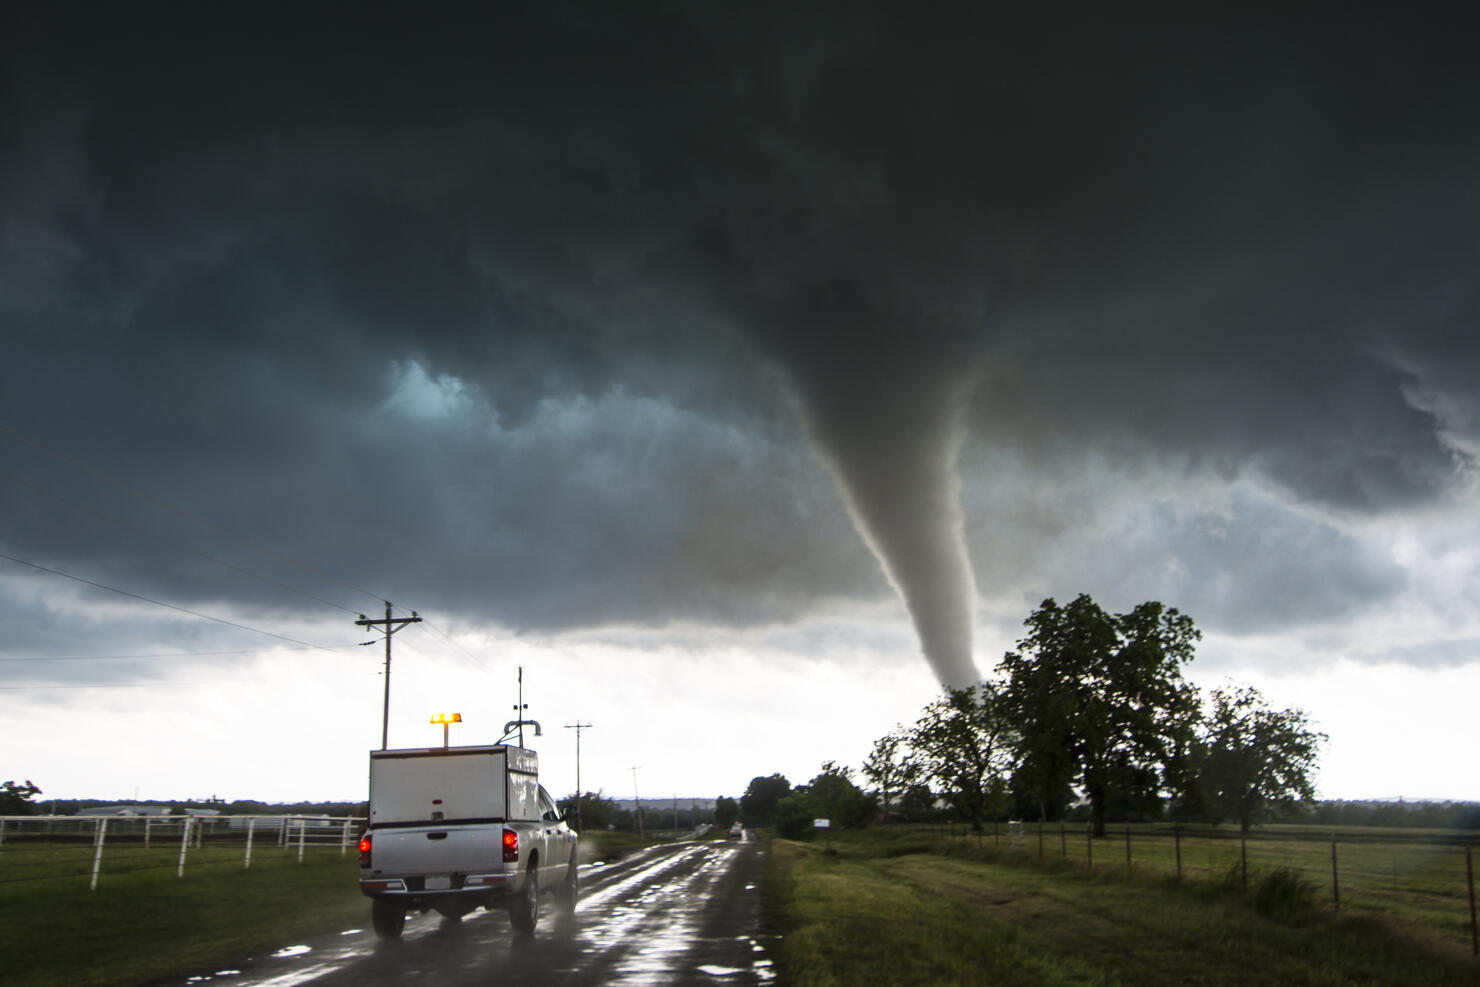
<point>144,923</point>
<point>1411,877</point>
<point>903,908</point>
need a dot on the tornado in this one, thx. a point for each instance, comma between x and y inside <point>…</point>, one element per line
<point>884,406</point>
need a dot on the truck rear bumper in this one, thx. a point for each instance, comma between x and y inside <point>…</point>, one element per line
<point>436,884</point>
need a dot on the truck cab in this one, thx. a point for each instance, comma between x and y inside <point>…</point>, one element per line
<point>458,828</point>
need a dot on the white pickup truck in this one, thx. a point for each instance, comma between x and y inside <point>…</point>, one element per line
<point>458,828</point>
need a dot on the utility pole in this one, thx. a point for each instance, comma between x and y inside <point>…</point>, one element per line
<point>578,726</point>
<point>391,626</point>
<point>636,802</point>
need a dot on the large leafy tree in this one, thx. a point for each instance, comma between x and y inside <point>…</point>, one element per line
<point>758,804</point>
<point>965,742</point>
<point>1098,699</point>
<point>1258,760</point>
<point>15,800</point>
<point>831,795</point>
<point>726,812</point>
<point>890,769</point>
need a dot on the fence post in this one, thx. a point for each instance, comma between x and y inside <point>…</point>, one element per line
<point>98,854</point>
<point>251,827</point>
<point>184,845</point>
<point>2,832</point>
<point>344,837</point>
<point>1335,888</point>
<point>1470,879</point>
<point>302,831</point>
<point>1177,839</point>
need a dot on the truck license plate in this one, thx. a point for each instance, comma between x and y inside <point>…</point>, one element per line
<point>438,882</point>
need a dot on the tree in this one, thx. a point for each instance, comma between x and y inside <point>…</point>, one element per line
<point>591,811</point>
<point>831,795</point>
<point>917,803</point>
<point>836,798</point>
<point>758,804</point>
<point>15,800</point>
<point>726,812</point>
<point>890,769</point>
<point>1097,698</point>
<point>1258,760</point>
<point>965,742</point>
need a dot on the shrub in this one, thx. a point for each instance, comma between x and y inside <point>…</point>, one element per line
<point>1284,895</point>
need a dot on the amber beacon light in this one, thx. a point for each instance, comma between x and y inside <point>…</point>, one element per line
<point>446,719</point>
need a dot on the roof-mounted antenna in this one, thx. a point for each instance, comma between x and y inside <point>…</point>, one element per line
<point>519,709</point>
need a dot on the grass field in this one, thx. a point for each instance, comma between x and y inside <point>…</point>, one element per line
<point>144,923</point>
<point>919,908</point>
<point>1412,876</point>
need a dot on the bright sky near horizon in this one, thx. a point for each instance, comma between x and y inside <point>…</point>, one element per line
<point>741,375</point>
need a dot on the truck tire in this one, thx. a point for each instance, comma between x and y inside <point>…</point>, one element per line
<point>569,890</point>
<point>388,918</point>
<point>524,912</point>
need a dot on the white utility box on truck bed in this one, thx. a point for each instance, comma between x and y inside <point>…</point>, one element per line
<point>458,828</point>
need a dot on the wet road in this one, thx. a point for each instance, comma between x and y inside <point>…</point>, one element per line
<point>687,913</point>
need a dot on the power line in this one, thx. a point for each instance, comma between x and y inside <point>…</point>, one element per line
<point>113,685</point>
<point>160,603</point>
<point>178,543</point>
<point>110,516</point>
<point>459,649</point>
<point>172,654</point>
<point>182,512</point>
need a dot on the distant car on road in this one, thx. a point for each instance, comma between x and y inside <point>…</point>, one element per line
<point>737,832</point>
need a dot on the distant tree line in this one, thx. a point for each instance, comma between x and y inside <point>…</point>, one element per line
<point>1088,719</point>
<point>594,811</point>
<point>240,807</point>
<point>1415,815</point>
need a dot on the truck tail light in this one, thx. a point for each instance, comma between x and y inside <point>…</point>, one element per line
<point>365,850</point>
<point>511,846</point>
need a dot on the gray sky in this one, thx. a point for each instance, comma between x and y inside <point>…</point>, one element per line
<point>740,372</point>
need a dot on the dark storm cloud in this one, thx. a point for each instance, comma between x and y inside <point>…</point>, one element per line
<point>1254,566</point>
<point>1240,245</point>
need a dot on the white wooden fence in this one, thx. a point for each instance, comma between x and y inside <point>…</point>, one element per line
<point>48,838</point>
